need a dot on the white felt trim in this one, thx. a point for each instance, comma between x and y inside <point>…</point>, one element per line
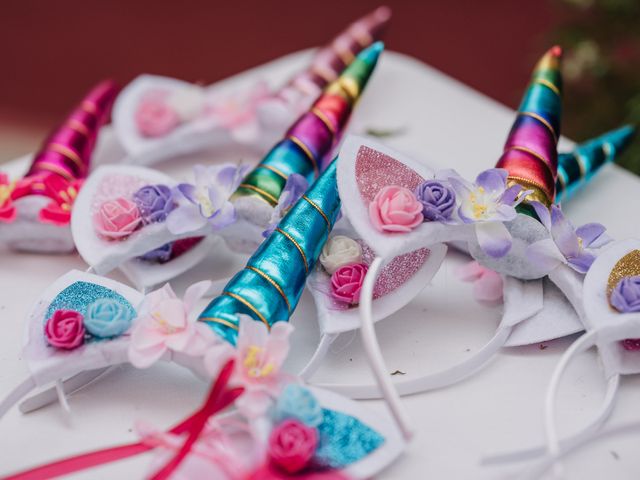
<point>599,315</point>
<point>104,255</point>
<point>28,233</point>
<point>555,319</point>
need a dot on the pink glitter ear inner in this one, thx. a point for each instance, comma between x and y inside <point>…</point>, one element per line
<point>375,170</point>
<point>115,186</point>
<point>398,272</point>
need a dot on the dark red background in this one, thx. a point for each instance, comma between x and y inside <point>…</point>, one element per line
<point>52,51</point>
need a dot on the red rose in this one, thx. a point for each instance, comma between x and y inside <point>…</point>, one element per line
<point>292,444</point>
<point>346,282</point>
<point>65,329</point>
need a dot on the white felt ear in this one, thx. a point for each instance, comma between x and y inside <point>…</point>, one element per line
<point>600,315</point>
<point>74,290</point>
<point>416,268</point>
<point>539,312</point>
<point>198,134</point>
<point>365,167</point>
<point>107,183</point>
<point>148,274</point>
<point>380,458</point>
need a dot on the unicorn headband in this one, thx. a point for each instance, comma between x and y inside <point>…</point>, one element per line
<point>59,363</point>
<point>338,436</point>
<point>35,210</point>
<point>81,308</point>
<point>157,118</point>
<point>376,186</point>
<point>126,212</point>
<point>607,304</point>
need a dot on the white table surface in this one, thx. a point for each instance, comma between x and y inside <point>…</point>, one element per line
<point>448,125</point>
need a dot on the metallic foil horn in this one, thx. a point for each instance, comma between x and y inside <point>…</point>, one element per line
<point>530,152</point>
<point>306,144</point>
<point>269,287</point>
<point>576,168</point>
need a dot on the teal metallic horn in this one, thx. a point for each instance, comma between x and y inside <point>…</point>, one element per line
<point>576,168</point>
<point>269,287</point>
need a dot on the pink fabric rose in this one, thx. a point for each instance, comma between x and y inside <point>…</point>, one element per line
<point>395,209</point>
<point>65,329</point>
<point>117,218</point>
<point>155,118</point>
<point>346,282</point>
<point>292,444</point>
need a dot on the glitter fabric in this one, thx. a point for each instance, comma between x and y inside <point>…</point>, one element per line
<point>115,186</point>
<point>398,271</point>
<point>375,170</point>
<point>79,295</point>
<point>344,440</point>
<point>627,266</point>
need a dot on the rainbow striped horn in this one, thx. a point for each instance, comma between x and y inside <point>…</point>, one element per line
<point>332,59</point>
<point>269,287</point>
<point>577,167</point>
<point>530,152</point>
<point>308,141</point>
<point>67,151</point>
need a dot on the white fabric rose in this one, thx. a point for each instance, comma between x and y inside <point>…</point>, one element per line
<point>188,102</point>
<point>339,251</point>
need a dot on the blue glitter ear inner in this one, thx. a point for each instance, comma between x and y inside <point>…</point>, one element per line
<point>344,440</point>
<point>79,295</point>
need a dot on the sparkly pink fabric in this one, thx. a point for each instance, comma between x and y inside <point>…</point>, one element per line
<point>398,271</point>
<point>375,170</point>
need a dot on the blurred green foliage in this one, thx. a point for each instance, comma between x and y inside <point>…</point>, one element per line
<point>601,39</point>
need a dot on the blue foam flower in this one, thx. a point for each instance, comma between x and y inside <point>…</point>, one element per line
<point>298,403</point>
<point>107,318</point>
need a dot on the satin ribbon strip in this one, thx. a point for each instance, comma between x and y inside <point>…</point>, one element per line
<point>218,399</point>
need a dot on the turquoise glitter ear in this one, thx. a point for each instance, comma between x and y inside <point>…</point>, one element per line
<point>577,168</point>
<point>269,287</point>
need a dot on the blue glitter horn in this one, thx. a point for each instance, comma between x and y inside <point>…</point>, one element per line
<point>269,287</point>
<point>577,168</point>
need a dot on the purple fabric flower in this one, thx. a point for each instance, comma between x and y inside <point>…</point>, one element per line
<point>206,202</point>
<point>574,247</point>
<point>294,189</point>
<point>438,200</point>
<point>625,297</point>
<point>155,202</point>
<point>160,255</point>
<point>488,203</point>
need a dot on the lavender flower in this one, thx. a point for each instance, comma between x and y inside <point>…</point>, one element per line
<point>155,202</point>
<point>625,297</point>
<point>574,247</point>
<point>294,189</point>
<point>160,255</point>
<point>488,203</point>
<point>206,202</point>
<point>438,200</point>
